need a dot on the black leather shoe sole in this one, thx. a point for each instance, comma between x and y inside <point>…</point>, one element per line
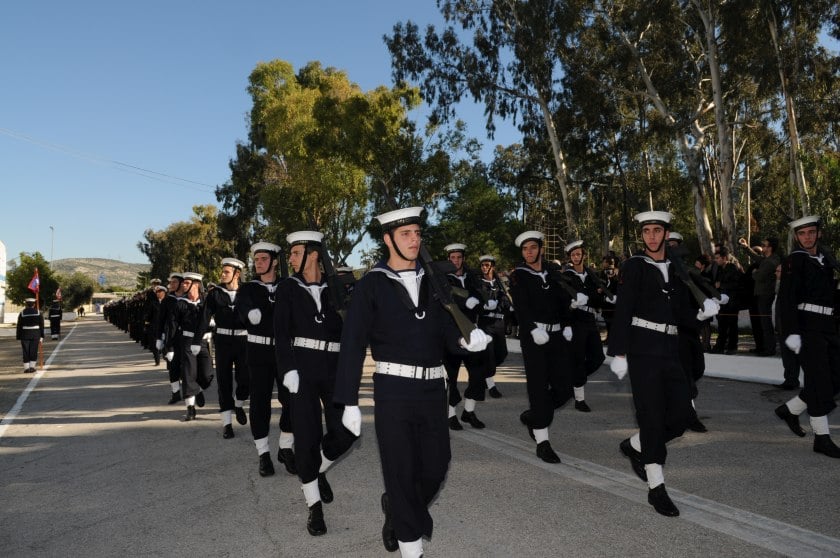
<point>635,458</point>
<point>472,420</point>
<point>389,537</point>
<point>266,466</point>
<point>227,433</point>
<point>824,445</point>
<point>582,407</point>
<point>286,456</point>
<point>324,488</point>
<point>454,424</point>
<point>661,502</point>
<point>546,453</point>
<point>174,398</point>
<point>792,420</point>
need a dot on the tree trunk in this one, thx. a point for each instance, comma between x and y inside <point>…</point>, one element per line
<point>560,163</point>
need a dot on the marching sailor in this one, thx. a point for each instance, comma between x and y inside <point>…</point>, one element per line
<point>255,306</point>
<point>230,343</point>
<point>394,310</point>
<point>307,333</point>
<point>30,333</point>
<point>492,318</point>
<point>806,323</point>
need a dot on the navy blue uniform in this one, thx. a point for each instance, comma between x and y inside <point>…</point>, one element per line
<point>30,332</point>
<point>410,412</point>
<point>230,343</point>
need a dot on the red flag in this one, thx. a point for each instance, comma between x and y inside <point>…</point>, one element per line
<point>58,294</point>
<point>35,283</point>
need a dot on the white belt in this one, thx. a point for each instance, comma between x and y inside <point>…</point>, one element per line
<point>549,327</point>
<point>225,331</point>
<point>316,344</point>
<point>816,309</point>
<point>30,327</point>
<point>187,334</point>
<point>496,315</point>
<point>661,328</point>
<point>409,371</point>
<point>260,340</point>
<point>587,309</point>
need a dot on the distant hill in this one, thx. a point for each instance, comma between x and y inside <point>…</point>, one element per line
<point>117,274</point>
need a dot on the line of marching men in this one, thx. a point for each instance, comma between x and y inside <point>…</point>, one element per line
<point>300,336</point>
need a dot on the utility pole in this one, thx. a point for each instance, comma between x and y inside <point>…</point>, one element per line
<point>52,242</point>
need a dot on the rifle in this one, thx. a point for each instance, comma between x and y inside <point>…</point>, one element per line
<point>681,272</point>
<point>335,286</point>
<point>555,272</point>
<point>828,256</point>
<point>598,282</point>
<point>282,263</point>
<point>440,285</point>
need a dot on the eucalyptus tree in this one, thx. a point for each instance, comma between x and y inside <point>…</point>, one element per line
<point>504,54</point>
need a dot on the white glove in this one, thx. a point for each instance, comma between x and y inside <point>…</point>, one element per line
<point>169,356</point>
<point>511,307</point>
<point>212,322</point>
<point>352,419</point>
<point>472,302</point>
<point>794,342</point>
<point>254,316</point>
<point>567,333</point>
<point>491,305</point>
<point>611,299</point>
<point>579,301</point>
<point>540,336</point>
<point>478,341</point>
<point>709,310</point>
<point>291,380</point>
<point>159,344</point>
<point>723,300</point>
<point>619,366</point>
<point>195,349</point>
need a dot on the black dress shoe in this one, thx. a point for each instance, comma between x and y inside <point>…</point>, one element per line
<point>190,413</point>
<point>266,466</point>
<point>824,445</point>
<point>792,420</point>
<point>635,458</point>
<point>494,392</point>
<point>324,488</point>
<point>582,407</point>
<point>227,433</point>
<point>471,419</point>
<point>175,397</point>
<point>789,385</point>
<point>661,502</point>
<point>695,425</point>
<point>525,418</point>
<point>454,424</point>
<point>157,360</point>
<point>241,417</point>
<point>286,456</point>
<point>546,453</point>
<point>199,399</point>
<point>389,536</point>
<point>315,524</point>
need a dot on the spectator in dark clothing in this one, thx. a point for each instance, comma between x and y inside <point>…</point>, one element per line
<point>727,281</point>
<point>764,292</point>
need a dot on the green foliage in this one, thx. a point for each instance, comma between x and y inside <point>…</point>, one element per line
<point>76,290</point>
<point>18,278</point>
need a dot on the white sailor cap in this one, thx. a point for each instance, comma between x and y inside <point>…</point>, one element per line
<point>302,237</point>
<point>654,218</point>
<point>809,221</point>
<point>265,247</point>
<point>30,300</point>
<point>487,258</point>
<point>175,275</point>
<point>192,276</point>
<point>675,236</point>
<point>400,217</point>
<point>160,288</point>
<point>529,235</point>
<point>572,245</point>
<point>233,262</point>
<point>455,247</point>
<point>155,281</point>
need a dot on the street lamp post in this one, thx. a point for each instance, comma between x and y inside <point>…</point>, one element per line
<point>52,242</point>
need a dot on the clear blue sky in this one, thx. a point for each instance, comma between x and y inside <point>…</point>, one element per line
<point>89,90</point>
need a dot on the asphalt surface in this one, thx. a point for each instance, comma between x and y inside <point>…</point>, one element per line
<point>93,462</point>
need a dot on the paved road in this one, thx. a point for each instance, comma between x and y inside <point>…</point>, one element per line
<point>94,463</point>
